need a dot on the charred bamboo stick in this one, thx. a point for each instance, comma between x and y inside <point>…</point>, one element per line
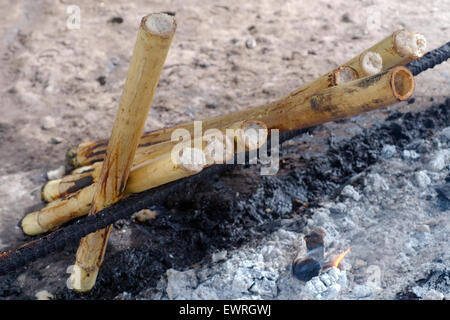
<point>330,104</point>
<point>399,48</point>
<point>150,52</point>
<point>70,184</point>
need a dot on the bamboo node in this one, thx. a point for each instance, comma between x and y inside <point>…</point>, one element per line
<point>219,148</point>
<point>191,159</point>
<point>344,74</point>
<point>371,63</point>
<point>160,24</point>
<point>410,44</point>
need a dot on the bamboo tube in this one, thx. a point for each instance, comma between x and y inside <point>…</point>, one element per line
<point>399,48</point>
<point>249,134</point>
<point>330,104</point>
<point>244,141</point>
<point>70,184</point>
<point>58,212</point>
<point>85,176</point>
<point>143,177</point>
<point>167,168</point>
<point>152,45</point>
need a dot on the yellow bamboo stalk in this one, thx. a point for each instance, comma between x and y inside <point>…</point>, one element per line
<point>397,49</point>
<point>244,141</point>
<point>325,105</point>
<point>152,45</point>
<point>145,176</point>
<point>79,179</point>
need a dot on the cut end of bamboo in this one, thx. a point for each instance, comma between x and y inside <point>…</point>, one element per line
<point>371,63</point>
<point>160,24</point>
<point>191,159</point>
<point>344,74</point>
<point>410,44</point>
<point>218,150</point>
<point>81,280</point>
<point>50,191</point>
<point>31,226</point>
<point>402,83</point>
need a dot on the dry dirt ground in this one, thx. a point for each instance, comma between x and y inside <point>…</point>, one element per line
<point>61,86</point>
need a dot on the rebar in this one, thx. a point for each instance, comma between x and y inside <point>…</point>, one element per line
<point>430,59</point>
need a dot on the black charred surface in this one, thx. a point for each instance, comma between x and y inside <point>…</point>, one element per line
<point>230,211</point>
<point>306,269</point>
<point>80,184</point>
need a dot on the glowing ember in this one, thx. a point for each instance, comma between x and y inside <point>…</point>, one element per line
<point>340,257</point>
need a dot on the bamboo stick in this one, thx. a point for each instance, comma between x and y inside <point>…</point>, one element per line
<point>152,45</point>
<point>325,105</point>
<point>70,184</point>
<point>220,141</point>
<point>247,134</point>
<point>399,48</point>
<point>147,175</point>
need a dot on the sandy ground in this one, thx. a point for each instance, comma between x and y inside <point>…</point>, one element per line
<point>59,87</point>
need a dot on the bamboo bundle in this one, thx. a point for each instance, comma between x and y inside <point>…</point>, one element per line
<point>295,112</point>
<point>152,45</point>
<point>214,148</point>
<point>397,49</point>
<point>84,176</point>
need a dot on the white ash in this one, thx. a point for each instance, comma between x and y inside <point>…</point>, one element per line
<point>350,192</point>
<point>422,179</point>
<point>219,256</point>
<point>249,273</point>
<point>325,286</point>
<point>439,160</point>
<point>410,154</point>
<point>391,215</point>
<point>180,284</point>
<point>445,134</point>
<point>388,151</point>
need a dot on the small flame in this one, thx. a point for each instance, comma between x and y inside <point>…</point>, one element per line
<point>340,257</point>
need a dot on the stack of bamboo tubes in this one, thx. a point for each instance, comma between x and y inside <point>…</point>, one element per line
<point>129,162</point>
